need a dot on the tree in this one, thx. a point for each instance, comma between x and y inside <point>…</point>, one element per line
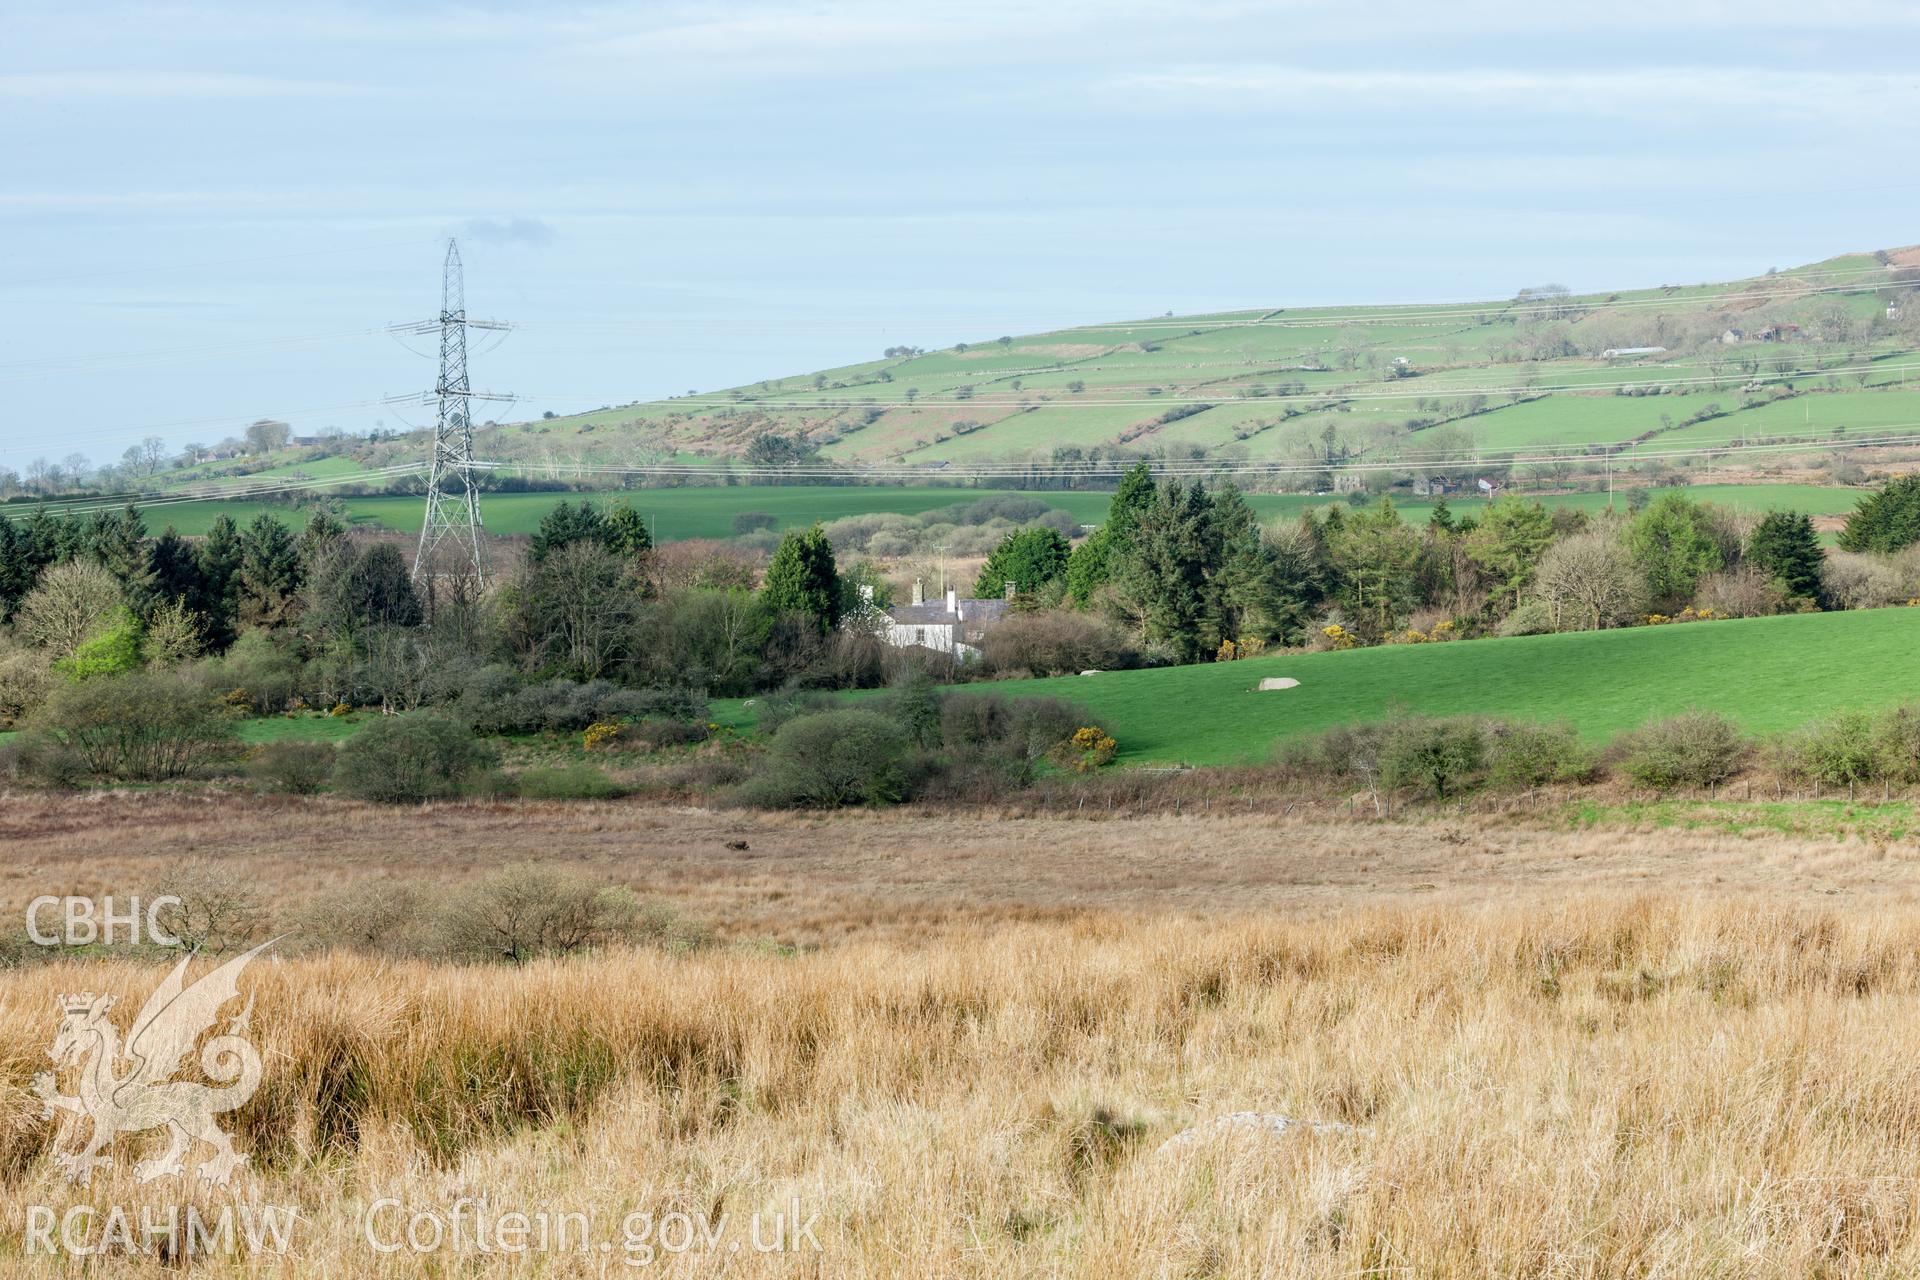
<point>577,609</point>
<point>266,435</point>
<point>626,533</point>
<point>1091,565</point>
<point>1885,521</point>
<point>1247,594</point>
<point>380,588</point>
<point>1589,581</point>
<point>1508,542</point>
<point>1373,554</point>
<point>268,581</point>
<point>1031,559</point>
<point>118,540</point>
<point>565,525</point>
<point>1162,583</point>
<point>18,568</point>
<point>219,555</point>
<point>71,604</point>
<point>1785,547</point>
<point>802,578</point>
<point>350,590</point>
<point>322,532</point>
<point>1673,543</point>
<point>174,573</point>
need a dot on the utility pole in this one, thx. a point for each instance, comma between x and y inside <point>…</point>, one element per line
<point>451,533</point>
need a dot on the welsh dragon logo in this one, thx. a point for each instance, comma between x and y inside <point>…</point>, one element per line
<point>132,1089</point>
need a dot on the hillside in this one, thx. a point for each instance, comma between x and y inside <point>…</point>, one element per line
<point>1819,352</point>
<point>1768,673</point>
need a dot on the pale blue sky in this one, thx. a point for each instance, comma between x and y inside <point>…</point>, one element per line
<point>205,208</point>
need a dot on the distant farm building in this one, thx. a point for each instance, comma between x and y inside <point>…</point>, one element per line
<point>953,626</point>
<point>1733,336</point>
<point>1777,333</point>
<point>1621,353</point>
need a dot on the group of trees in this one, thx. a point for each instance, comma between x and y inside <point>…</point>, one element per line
<point>1191,574</point>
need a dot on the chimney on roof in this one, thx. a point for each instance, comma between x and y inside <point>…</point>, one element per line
<point>953,600</point>
<point>866,592</point>
<point>1010,588</point>
<point>919,591</point>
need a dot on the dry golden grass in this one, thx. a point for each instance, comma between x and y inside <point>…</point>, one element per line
<point>1598,1090</point>
<point>1603,1054</point>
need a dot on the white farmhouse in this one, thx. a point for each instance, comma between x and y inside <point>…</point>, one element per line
<point>953,626</point>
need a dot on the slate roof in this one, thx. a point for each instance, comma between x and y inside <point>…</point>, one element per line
<point>935,611</point>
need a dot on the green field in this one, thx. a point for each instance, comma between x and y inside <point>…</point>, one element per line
<point>680,514</point>
<point>1768,673</point>
<point>675,514</point>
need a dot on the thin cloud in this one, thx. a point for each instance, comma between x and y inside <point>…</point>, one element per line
<point>508,230</point>
<point>1640,91</point>
<point>166,84</point>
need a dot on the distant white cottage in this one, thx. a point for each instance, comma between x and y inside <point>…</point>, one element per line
<point>953,626</point>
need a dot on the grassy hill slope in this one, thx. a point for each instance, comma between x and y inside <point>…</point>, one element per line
<point>1768,673</point>
<point>1516,373</point>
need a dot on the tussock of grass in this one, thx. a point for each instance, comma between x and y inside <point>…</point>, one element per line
<point>1726,1089</point>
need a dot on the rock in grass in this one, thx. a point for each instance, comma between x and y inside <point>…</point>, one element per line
<point>1253,1125</point>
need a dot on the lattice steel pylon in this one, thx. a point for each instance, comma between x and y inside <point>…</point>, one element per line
<point>452,528</point>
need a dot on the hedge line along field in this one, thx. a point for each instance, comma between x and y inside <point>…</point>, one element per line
<point>1768,673</point>
<point>680,514</point>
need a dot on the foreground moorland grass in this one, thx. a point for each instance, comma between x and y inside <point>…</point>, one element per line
<point>1768,673</point>
<point>1608,1087</point>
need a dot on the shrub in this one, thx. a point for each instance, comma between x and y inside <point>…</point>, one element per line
<point>517,914</point>
<point>831,759</point>
<point>25,679</point>
<point>297,768</point>
<point>218,907</point>
<point>410,759</point>
<point>263,676</point>
<point>774,710</point>
<point>1088,749</point>
<point>914,705</point>
<point>141,727</point>
<point>1520,754</point>
<point>1018,730</point>
<point>522,913</point>
<point>1343,753</point>
<point>754,521</point>
<point>568,782</point>
<point>378,916</point>
<point>1841,750</point>
<point>1056,642</point>
<point>1532,618</point>
<point>1695,748</point>
<point>654,733</point>
<point>1443,756</point>
<point>113,650</point>
<point>1897,739</point>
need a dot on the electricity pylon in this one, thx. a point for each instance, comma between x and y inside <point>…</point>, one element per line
<point>453,493</point>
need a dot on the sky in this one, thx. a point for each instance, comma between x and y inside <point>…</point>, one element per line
<point>211,212</point>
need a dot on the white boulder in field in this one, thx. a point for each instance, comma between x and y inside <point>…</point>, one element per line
<point>1257,1125</point>
<point>1278,682</point>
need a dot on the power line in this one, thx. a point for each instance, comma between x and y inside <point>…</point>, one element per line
<point>453,495</point>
